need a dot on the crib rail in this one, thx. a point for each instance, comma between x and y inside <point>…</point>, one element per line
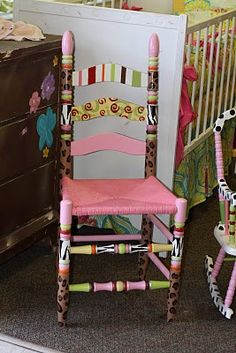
<point>105,3</point>
<point>211,48</point>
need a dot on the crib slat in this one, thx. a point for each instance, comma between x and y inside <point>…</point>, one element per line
<point>229,64</point>
<point>211,69</point>
<point>216,72</point>
<point>188,52</point>
<point>225,39</point>
<point>202,83</point>
<point>232,103</point>
<point>198,34</point>
<point>212,42</point>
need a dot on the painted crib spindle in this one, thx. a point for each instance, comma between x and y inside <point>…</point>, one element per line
<point>66,103</point>
<point>232,219</point>
<point>151,140</point>
<point>220,176</point>
<point>176,259</point>
<point>64,261</point>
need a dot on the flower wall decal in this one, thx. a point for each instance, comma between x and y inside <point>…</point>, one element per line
<point>48,86</point>
<point>45,125</point>
<point>34,102</point>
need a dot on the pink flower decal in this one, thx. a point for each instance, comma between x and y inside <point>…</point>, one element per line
<point>48,86</point>
<point>34,102</point>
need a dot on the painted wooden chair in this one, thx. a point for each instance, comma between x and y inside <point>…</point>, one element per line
<point>144,196</point>
<point>225,231</point>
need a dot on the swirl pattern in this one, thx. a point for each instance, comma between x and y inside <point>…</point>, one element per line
<point>109,107</point>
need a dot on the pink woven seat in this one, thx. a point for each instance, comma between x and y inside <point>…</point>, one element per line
<point>118,196</point>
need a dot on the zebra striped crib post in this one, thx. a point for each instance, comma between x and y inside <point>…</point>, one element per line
<point>151,140</point>
<point>64,261</point>
<point>176,258</point>
<point>66,101</point>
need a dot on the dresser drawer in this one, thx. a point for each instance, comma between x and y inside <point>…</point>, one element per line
<point>26,68</point>
<point>19,144</point>
<point>27,197</point>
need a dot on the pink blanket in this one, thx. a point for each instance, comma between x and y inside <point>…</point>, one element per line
<point>186,114</point>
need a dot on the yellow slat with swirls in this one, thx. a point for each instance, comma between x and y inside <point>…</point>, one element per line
<point>109,107</point>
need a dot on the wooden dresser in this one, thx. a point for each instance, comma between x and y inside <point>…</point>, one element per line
<point>29,142</point>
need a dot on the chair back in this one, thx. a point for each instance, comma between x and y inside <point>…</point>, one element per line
<point>108,108</point>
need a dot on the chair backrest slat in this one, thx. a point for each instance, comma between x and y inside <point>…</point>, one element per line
<point>108,142</point>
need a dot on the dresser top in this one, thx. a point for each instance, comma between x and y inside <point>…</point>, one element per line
<point>11,49</point>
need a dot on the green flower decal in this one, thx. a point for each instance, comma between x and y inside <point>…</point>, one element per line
<point>45,125</point>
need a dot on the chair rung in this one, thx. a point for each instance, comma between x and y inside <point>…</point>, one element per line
<point>118,286</point>
<point>111,237</point>
<point>120,248</point>
<point>228,259</point>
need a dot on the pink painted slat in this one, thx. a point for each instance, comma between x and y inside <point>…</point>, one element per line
<point>107,141</point>
<point>157,262</point>
<point>82,238</point>
<point>161,226</point>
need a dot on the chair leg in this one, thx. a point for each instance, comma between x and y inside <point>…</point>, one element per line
<point>64,261</point>
<point>231,288</point>
<point>176,258</point>
<point>218,263</point>
<point>143,261</point>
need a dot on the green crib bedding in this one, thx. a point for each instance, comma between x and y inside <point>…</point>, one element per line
<point>6,9</point>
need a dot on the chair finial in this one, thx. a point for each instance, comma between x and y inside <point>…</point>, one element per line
<point>154,45</point>
<point>67,43</point>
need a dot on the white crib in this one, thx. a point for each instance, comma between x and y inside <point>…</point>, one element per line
<point>211,50</point>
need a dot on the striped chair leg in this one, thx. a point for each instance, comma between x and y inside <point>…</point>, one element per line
<point>64,261</point>
<point>176,257</point>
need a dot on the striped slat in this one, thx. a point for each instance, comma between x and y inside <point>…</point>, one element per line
<point>109,73</point>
